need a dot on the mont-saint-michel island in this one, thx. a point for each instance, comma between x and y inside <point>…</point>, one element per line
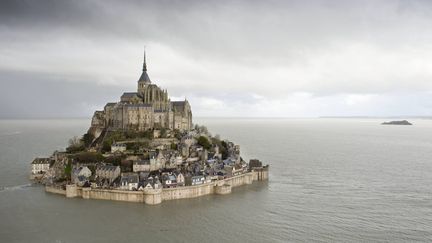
<point>145,148</point>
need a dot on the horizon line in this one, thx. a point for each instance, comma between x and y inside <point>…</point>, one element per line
<point>240,117</point>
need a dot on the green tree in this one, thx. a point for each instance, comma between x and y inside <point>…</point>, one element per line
<point>111,138</point>
<point>88,157</point>
<point>75,145</point>
<point>115,160</point>
<point>163,133</point>
<point>87,139</point>
<point>224,150</point>
<point>173,146</point>
<point>68,170</point>
<point>178,134</point>
<point>126,165</point>
<point>203,141</point>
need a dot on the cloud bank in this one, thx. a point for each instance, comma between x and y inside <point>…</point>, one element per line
<point>229,58</point>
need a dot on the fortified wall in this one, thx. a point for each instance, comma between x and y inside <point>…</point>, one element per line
<point>157,196</point>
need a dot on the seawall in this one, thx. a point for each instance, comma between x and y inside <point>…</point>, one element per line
<point>56,190</point>
<point>157,196</point>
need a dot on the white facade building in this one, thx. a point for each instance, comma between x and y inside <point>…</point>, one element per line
<point>40,165</point>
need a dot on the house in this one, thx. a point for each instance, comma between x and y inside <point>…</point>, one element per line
<point>108,172</point>
<point>141,165</point>
<point>211,173</point>
<point>58,167</point>
<point>143,176</point>
<point>180,179</point>
<point>237,169</point>
<point>157,183</point>
<point>80,175</point>
<point>156,160</point>
<point>147,186</point>
<point>160,160</point>
<point>118,148</point>
<point>229,161</point>
<point>208,179</point>
<point>178,160</point>
<point>222,174</point>
<point>197,180</point>
<point>169,180</point>
<point>233,170</point>
<point>129,181</point>
<point>41,165</point>
<point>152,183</point>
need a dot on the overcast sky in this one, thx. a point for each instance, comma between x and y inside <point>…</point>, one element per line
<point>228,58</point>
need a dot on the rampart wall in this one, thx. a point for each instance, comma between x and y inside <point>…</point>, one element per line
<point>156,196</point>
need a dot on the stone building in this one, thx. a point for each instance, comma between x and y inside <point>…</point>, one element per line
<point>41,165</point>
<point>141,166</point>
<point>155,162</point>
<point>129,181</point>
<point>118,148</point>
<point>80,175</point>
<point>108,172</point>
<point>150,107</point>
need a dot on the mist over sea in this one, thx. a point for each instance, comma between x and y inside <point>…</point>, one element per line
<point>345,180</point>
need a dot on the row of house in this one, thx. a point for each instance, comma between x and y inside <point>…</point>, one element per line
<point>188,164</point>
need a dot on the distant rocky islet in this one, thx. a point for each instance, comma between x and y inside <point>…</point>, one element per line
<point>403,122</point>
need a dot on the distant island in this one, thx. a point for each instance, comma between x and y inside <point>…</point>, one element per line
<point>145,148</point>
<point>403,122</point>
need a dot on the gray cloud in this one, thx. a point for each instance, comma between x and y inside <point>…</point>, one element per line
<point>41,95</point>
<point>238,57</point>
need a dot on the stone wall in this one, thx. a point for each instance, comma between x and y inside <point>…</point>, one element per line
<point>243,179</point>
<point>56,190</point>
<point>187,191</point>
<point>115,195</point>
<point>156,196</point>
<point>223,189</point>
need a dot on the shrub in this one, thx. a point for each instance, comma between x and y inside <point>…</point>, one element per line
<point>68,170</point>
<point>114,160</point>
<point>87,139</point>
<point>75,145</point>
<point>88,157</point>
<point>203,141</point>
<point>173,146</point>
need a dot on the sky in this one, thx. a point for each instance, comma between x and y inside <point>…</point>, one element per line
<point>228,58</point>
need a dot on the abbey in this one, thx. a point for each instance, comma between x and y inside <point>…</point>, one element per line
<point>148,108</point>
<point>169,160</point>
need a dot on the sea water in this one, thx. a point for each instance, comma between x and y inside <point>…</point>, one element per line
<point>345,180</point>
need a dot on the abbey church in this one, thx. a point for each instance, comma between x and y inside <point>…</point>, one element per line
<point>150,107</point>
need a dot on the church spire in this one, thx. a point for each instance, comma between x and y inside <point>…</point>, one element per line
<point>144,64</point>
<point>144,79</point>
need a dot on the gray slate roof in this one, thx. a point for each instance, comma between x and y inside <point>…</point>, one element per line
<point>144,78</point>
<point>108,168</point>
<point>41,161</point>
<point>138,105</point>
<point>129,94</point>
<point>130,178</point>
<point>178,105</point>
<point>110,104</point>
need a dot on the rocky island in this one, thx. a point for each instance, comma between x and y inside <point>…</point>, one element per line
<point>145,148</point>
<point>403,122</point>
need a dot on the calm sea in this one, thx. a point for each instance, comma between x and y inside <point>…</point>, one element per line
<point>344,180</point>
